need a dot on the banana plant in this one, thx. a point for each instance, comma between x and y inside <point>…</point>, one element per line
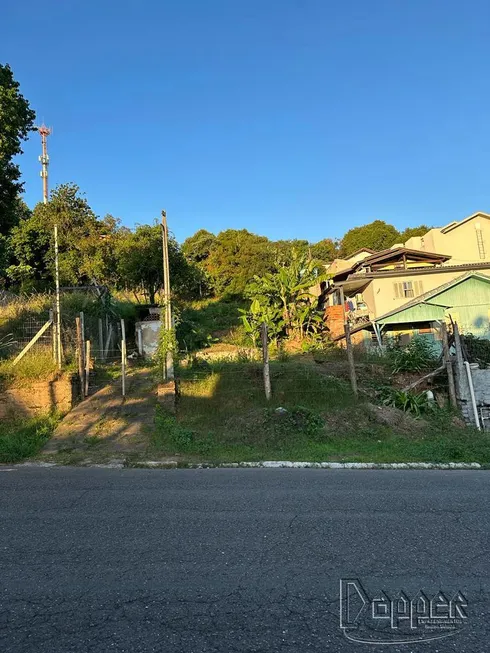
<point>260,313</point>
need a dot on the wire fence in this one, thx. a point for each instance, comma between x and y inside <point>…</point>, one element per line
<point>19,334</point>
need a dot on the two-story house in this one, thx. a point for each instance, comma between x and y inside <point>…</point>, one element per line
<point>371,286</point>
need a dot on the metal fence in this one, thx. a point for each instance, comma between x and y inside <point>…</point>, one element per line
<point>20,333</point>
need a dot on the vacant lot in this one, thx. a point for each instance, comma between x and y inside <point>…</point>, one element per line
<point>223,415</point>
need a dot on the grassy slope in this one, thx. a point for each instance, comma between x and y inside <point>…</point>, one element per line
<point>223,416</point>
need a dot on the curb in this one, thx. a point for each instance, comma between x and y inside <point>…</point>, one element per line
<point>287,464</point>
<point>266,464</point>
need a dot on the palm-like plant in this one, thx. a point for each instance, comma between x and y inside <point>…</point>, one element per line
<point>288,292</point>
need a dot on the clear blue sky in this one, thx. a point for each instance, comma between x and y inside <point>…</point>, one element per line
<point>292,118</point>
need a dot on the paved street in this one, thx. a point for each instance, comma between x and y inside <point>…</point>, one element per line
<point>199,561</point>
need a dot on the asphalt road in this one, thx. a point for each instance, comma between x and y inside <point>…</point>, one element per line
<point>200,561</point>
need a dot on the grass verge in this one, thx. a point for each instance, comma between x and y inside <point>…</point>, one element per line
<point>223,416</point>
<point>23,438</point>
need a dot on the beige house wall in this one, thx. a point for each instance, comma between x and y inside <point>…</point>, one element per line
<point>369,299</point>
<point>460,242</point>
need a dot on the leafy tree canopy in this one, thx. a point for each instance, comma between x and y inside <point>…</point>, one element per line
<point>376,235</point>
<point>139,258</point>
<point>411,232</point>
<point>198,247</point>
<point>16,121</point>
<point>236,257</point>
<point>325,250</point>
<point>78,237</point>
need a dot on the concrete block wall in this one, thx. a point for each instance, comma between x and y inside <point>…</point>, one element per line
<point>40,397</point>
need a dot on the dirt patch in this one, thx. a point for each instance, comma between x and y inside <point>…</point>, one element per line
<point>107,423</point>
<point>394,418</point>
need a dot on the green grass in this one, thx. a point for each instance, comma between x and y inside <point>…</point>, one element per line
<point>23,438</point>
<point>33,367</point>
<point>223,416</point>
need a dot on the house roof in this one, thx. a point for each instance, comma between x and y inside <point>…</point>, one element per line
<point>421,299</point>
<point>455,225</point>
<point>360,251</point>
<point>400,252</point>
<point>396,253</point>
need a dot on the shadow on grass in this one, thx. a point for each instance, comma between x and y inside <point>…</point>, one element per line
<point>223,416</point>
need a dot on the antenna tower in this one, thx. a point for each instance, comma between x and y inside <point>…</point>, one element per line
<point>44,159</point>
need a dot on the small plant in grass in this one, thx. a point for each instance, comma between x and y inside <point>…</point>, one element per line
<point>6,342</point>
<point>419,354</point>
<point>169,432</point>
<point>409,402</point>
<point>92,440</point>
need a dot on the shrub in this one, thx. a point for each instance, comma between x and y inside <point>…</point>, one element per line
<point>409,402</point>
<point>418,355</point>
<point>478,349</point>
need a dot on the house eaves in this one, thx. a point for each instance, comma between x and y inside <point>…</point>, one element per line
<point>419,271</point>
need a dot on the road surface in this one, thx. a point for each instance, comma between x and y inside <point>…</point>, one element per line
<point>199,561</point>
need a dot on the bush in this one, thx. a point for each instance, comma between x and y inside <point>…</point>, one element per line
<point>478,349</point>
<point>410,402</point>
<point>418,355</point>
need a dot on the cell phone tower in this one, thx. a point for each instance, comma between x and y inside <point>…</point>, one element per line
<point>44,159</point>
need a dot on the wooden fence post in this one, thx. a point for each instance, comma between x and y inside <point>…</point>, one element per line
<point>265,358</point>
<point>350,359</point>
<point>449,366</point>
<point>108,341</point>
<point>82,328</point>
<point>123,358</point>
<point>53,335</point>
<point>87,366</point>
<point>80,356</point>
<point>101,339</point>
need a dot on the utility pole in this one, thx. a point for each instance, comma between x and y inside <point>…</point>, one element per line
<point>169,363</point>
<point>44,160</point>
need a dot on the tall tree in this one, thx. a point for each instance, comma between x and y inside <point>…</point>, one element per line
<point>411,232</point>
<point>16,121</point>
<point>78,230</point>
<point>198,247</point>
<point>325,250</point>
<point>376,235</point>
<point>236,257</point>
<point>140,264</point>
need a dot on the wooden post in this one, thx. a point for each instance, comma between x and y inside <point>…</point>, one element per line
<point>350,359</point>
<point>80,355</point>
<point>123,358</point>
<point>82,327</point>
<point>101,339</point>
<point>265,358</point>
<point>87,366</point>
<point>59,352</point>
<point>449,366</point>
<point>108,341</point>
<point>168,322</point>
<point>53,335</point>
